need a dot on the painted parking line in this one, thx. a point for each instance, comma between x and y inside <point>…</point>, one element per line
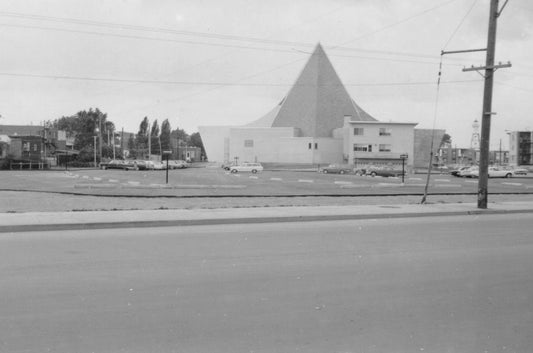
<point>113,180</point>
<point>471,181</point>
<point>512,184</point>
<point>414,178</point>
<point>448,185</point>
<point>343,182</point>
<point>276,179</point>
<point>253,177</point>
<point>353,186</point>
<point>442,180</point>
<point>97,178</point>
<point>305,181</point>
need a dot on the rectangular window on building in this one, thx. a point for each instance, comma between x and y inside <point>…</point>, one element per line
<point>248,143</point>
<point>359,131</point>
<point>384,131</point>
<point>385,148</point>
<point>316,145</point>
<point>310,145</point>
<point>357,147</point>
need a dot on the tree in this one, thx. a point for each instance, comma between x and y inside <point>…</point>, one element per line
<point>142,138</point>
<point>154,134</point>
<point>132,146</point>
<point>84,126</point>
<point>182,139</point>
<point>165,136</point>
<point>446,140</point>
<point>196,140</point>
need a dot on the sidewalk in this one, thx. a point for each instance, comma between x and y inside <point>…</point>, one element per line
<point>41,221</point>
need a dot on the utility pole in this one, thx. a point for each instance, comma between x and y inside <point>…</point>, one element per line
<point>489,68</point>
<point>100,136</point>
<point>487,105</point>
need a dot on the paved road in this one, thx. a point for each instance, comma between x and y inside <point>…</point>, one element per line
<point>446,284</point>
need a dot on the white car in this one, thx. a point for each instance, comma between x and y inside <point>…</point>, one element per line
<point>495,172</point>
<point>247,167</point>
<point>520,171</point>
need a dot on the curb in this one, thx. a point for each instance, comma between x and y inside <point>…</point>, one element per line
<point>245,220</point>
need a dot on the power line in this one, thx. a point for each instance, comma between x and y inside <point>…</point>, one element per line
<point>460,24</point>
<point>111,25</point>
<point>206,83</point>
<point>397,22</point>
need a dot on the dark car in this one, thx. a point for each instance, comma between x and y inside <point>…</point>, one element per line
<point>385,172</point>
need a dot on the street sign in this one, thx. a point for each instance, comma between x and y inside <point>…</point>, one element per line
<point>404,156</point>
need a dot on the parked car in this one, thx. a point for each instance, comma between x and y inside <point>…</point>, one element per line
<point>385,172</point>
<point>520,171</point>
<point>495,172</point>
<point>228,165</point>
<point>247,167</point>
<point>118,164</point>
<point>336,169</point>
<point>179,164</point>
<point>468,172</point>
<point>159,165</point>
<point>457,172</point>
<point>142,165</point>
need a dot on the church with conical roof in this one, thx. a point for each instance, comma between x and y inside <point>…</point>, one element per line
<point>316,123</point>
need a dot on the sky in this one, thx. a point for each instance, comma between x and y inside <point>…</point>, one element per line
<point>213,62</point>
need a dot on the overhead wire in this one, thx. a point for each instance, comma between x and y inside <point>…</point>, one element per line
<point>207,83</point>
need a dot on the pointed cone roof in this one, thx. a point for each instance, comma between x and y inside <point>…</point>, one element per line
<point>318,101</point>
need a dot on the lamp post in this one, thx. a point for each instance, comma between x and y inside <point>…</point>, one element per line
<point>95,150</point>
<point>403,157</point>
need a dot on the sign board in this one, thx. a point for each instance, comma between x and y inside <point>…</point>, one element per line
<point>404,156</point>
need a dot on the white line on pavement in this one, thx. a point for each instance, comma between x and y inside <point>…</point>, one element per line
<point>305,181</point>
<point>514,184</point>
<point>277,179</point>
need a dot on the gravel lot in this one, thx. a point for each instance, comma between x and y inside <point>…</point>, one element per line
<point>87,190</point>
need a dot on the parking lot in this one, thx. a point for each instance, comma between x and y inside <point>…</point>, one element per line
<point>211,180</point>
<point>210,186</point>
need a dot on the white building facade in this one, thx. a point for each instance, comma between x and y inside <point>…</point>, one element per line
<point>316,123</point>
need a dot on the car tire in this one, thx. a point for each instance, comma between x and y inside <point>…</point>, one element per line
<point>373,174</point>
<point>341,172</point>
<point>325,171</point>
<point>254,171</point>
<point>234,170</point>
<point>104,167</point>
<point>508,175</point>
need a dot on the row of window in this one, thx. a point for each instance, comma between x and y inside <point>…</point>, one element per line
<point>250,143</point>
<point>358,147</point>
<point>383,131</point>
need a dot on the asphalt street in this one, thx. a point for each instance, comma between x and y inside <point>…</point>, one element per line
<point>434,284</point>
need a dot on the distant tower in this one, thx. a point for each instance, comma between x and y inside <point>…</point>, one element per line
<point>474,142</point>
